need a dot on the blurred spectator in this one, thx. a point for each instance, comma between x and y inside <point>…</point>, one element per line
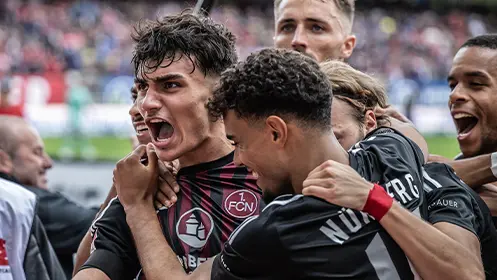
<point>23,160</point>
<point>7,106</point>
<point>93,37</point>
<point>78,98</point>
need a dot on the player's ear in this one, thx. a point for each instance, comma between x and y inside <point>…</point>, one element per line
<point>278,129</point>
<point>348,46</point>
<point>369,121</point>
<point>6,165</point>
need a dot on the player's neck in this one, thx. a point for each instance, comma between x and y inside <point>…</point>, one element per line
<point>316,151</point>
<point>214,147</point>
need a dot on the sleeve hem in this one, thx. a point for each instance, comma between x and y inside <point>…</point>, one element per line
<point>459,224</point>
<point>107,262</point>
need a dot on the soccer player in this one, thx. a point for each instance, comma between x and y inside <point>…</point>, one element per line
<point>453,208</point>
<point>141,130</point>
<point>321,29</point>
<point>178,60</point>
<point>473,83</point>
<point>276,109</point>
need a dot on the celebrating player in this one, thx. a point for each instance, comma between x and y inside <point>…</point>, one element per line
<point>453,208</point>
<point>178,60</point>
<point>276,107</point>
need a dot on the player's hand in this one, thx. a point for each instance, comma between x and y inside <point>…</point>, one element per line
<point>437,158</point>
<point>391,112</point>
<point>136,183</point>
<point>338,184</point>
<point>168,186</point>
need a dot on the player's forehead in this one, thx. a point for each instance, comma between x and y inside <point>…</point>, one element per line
<point>301,10</point>
<point>179,66</point>
<point>474,60</point>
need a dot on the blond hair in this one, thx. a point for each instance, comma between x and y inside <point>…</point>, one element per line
<point>356,88</point>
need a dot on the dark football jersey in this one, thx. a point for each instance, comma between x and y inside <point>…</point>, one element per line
<point>215,198</point>
<point>450,200</point>
<point>494,218</point>
<point>299,237</point>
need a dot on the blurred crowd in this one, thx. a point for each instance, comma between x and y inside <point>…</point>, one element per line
<point>94,37</point>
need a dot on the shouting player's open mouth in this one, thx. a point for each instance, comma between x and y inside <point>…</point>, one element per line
<point>465,123</point>
<point>161,130</point>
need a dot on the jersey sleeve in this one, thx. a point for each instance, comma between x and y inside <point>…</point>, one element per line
<point>388,158</point>
<point>253,251</point>
<point>112,249</point>
<point>452,206</point>
<point>452,202</point>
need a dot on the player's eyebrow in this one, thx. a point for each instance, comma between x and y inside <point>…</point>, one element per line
<point>167,77</point>
<point>476,74</point>
<point>471,74</point>
<point>291,20</point>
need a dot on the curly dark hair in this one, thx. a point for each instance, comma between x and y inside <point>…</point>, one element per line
<point>208,45</point>
<point>275,81</point>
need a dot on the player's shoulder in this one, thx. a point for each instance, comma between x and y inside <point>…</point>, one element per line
<point>283,214</point>
<point>383,136</point>
<point>288,207</point>
<point>440,175</point>
<point>112,215</point>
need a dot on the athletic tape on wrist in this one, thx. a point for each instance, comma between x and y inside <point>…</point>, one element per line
<point>494,164</point>
<point>378,203</point>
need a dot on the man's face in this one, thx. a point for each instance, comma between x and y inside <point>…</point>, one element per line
<point>172,99</point>
<point>30,162</point>
<point>141,129</point>
<point>314,27</point>
<point>473,82</point>
<point>346,127</point>
<point>254,149</point>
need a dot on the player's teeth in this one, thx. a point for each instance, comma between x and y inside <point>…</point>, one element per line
<point>156,121</point>
<point>141,127</point>
<point>162,140</point>
<point>462,115</point>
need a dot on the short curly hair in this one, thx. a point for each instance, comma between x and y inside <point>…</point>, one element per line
<point>208,45</point>
<point>275,82</point>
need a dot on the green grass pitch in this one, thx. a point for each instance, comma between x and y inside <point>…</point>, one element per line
<point>113,149</point>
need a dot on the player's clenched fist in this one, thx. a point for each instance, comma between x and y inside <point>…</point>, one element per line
<point>136,183</point>
<point>338,184</point>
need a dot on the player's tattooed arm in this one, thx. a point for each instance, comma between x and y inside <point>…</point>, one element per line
<point>475,171</point>
<point>434,254</point>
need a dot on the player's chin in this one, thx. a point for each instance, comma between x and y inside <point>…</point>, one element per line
<point>169,154</point>
<point>42,182</point>
<point>470,148</point>
<point>144,138</point>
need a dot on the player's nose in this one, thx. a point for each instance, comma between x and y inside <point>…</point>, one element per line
<point>299,41</point>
